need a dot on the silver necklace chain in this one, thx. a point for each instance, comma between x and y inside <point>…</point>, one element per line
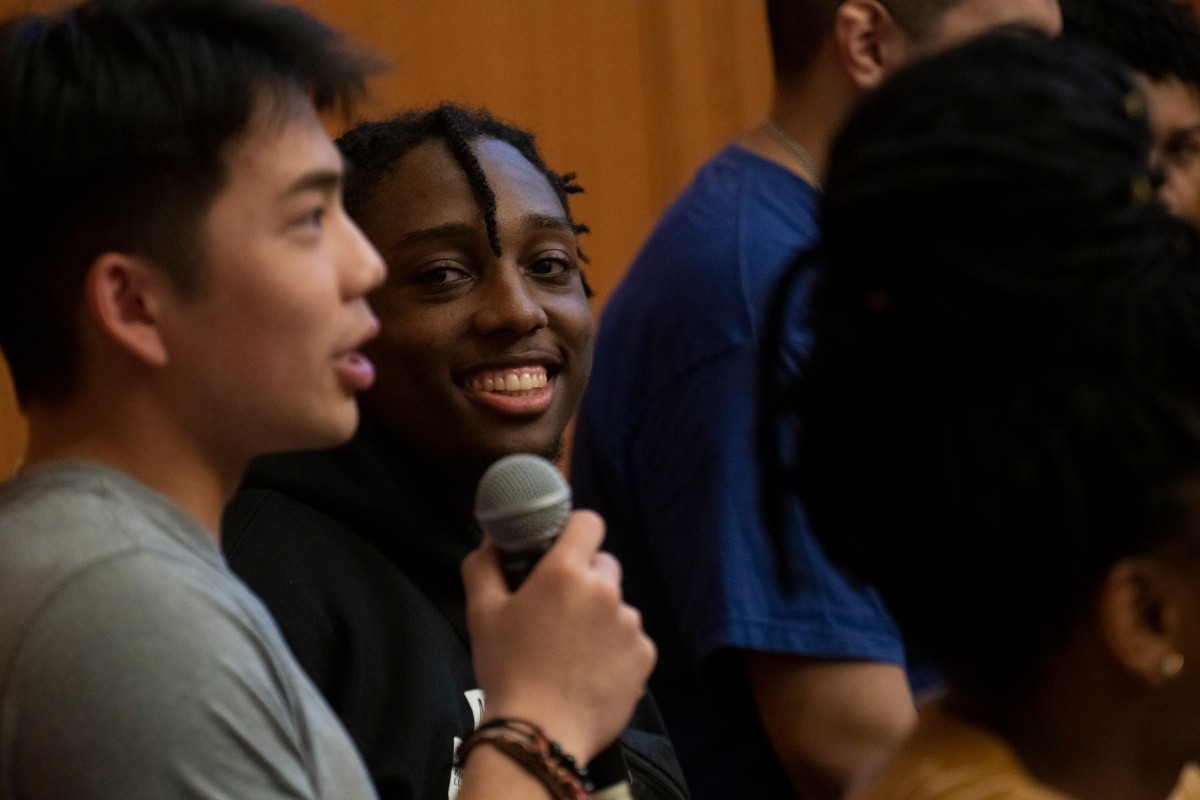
<point>796,149</point>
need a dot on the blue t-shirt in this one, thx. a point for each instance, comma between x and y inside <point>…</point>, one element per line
<point>664,450</point>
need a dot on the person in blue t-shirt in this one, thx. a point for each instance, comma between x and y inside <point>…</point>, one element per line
<point>767,693</point>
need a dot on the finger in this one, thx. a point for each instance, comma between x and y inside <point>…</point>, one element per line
<point>608,567</point>
<point>482,577</point>
<point>580,539</point>
<point>650,655</point>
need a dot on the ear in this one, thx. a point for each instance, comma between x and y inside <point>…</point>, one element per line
<point>870,42</point>
<point>1139,613</point>
<point>124,296</point>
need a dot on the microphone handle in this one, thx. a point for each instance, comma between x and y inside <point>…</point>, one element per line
<point>607,770</point>
<point>517,566</point>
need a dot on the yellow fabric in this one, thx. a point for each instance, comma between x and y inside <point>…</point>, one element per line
<point>946,759</point>
<point>1189,784</point>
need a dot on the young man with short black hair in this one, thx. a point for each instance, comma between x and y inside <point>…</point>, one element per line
<point>183,291</point>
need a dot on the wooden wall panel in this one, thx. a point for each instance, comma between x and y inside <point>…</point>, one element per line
<point>12,426</point>
<point>631,94</point>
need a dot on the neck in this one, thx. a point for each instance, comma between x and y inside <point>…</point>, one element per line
<point>1082,731</point>
<point>459,480</point>
<point>459,486</point>
<point>144,446</point>
<point>810,110</point>
<point>453,478</point>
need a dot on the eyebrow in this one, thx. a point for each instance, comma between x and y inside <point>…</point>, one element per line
<point>549,222</point>
<point>450,230</point>
<point>1189,130</point>
<point>321,180</point>
<point>455,230</point>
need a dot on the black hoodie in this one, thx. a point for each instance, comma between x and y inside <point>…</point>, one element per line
<point>356,553</point>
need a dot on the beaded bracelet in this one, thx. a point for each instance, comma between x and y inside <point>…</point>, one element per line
<point>527,745</point>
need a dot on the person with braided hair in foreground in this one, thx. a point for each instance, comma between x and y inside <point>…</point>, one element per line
<point>1001,421</point>
<point>484,351</point>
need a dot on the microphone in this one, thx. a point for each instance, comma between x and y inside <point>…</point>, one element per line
<point>522,503</point>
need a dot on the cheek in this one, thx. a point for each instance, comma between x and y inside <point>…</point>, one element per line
<point>585,348</point>
<point>576,326</point>
<point>1189,175</point>
<point>414,356</point>
<point>398,363</point>
<point>571,316</point>
<point>580,323</point>
<point>414,338</point>
<point>1181,190</point>
<point>285,288</point>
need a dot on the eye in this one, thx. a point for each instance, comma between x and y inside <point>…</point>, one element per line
<point>1182,149</point>
<point>442,277</point>
<point>550,266</point>
<point>313,219</point>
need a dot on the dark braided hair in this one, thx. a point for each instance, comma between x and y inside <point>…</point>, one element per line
<point>1003,396</point>
<point>372,149</point>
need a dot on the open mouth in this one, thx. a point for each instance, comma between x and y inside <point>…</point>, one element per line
<point>526,389</point>
<point>355,370</point>
<point>518,382</point>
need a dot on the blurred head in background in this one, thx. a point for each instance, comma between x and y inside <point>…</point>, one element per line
<point>1160,41</point>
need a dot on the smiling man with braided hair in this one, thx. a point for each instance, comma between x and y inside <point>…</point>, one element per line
<point>484,351</point>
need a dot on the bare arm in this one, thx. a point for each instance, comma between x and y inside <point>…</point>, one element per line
<point>563,651</point>
<point>825,720</point>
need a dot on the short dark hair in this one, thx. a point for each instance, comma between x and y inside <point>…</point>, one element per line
<point>1003,396</point>
<point>372,150</point>
<point>796,28</point>
<point>114,119</point>
<point>1159,38</point>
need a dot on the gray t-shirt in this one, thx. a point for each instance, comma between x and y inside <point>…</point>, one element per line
<point>134,664</point>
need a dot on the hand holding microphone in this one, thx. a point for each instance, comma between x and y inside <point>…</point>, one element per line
<point>562,649</point>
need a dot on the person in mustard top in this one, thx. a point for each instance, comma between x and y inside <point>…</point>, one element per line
<point>1001,422</point>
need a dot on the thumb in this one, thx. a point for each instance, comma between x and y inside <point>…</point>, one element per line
<point>580,539</point>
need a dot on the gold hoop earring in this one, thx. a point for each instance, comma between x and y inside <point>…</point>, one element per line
<point>1171,665</point>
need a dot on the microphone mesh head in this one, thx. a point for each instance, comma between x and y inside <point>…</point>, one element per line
<point>522,502</point>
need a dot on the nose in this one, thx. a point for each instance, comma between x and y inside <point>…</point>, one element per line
<point>507,304</point>
<point>1176,201</point>
<point>362,267</point>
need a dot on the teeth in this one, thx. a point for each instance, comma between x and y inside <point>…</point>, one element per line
<point>518,382</point>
